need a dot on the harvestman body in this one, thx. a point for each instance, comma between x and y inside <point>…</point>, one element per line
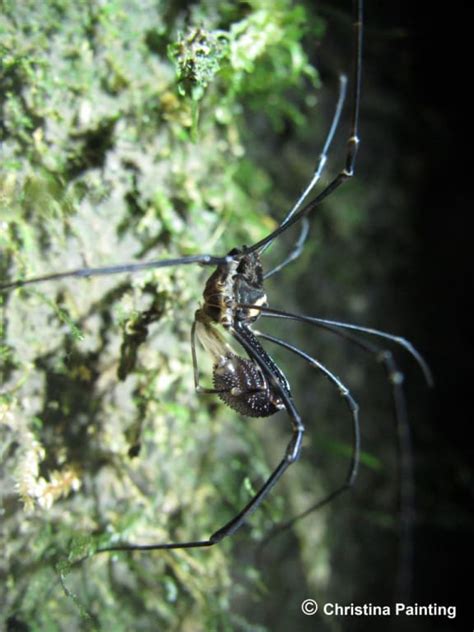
<point>234,298</point>
<point>239,382</point>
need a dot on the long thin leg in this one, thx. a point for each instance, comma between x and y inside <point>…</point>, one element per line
<point>352,143</point>
<point>230,527</point>
<point>255,351</point>
<point>316,175</point>
<point>332,325</point>
<point>354,410</point>
<point>293,216</point>
<point>404,442</point>
<point>291,455</point>
<point>323,157</point>
<point>304,230</point>
<point>205,260</point>
<point>295,251</point>
<point>406,476</point>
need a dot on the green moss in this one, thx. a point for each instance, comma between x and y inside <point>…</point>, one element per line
<point>123,138</point>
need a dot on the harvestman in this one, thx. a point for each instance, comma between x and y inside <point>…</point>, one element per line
<point>234,299</point>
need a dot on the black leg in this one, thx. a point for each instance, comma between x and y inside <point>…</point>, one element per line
<point>84,273</point>
<point>352,142</point>
<point>339,327</point>
<point>404,443</point>
<point>405,474</point>
<point>354,410</point>
<point>230,527</point>
<point>291,455</point>
<point>298,247</point>
<point>295,251</point>
<point>277,381</point>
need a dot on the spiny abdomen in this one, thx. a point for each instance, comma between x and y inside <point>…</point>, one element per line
<point>243,387</point>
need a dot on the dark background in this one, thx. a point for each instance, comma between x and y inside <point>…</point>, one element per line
<point>413,261</point>
<point>436,127</point>
<point>423,70</point>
